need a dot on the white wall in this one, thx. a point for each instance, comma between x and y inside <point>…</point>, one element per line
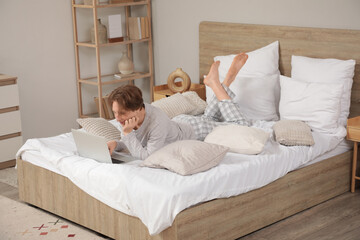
<point>176,24</point>
<point>37,45</point>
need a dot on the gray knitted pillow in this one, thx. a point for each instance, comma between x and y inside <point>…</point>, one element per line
<point>186,157</point>
<point>194,98</point>
<point>293,133</point>
<point>174,105</point>
<point>100,127</point>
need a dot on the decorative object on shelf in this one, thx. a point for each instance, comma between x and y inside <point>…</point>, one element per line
<point>125,65</point>
<point>179,73</point>
<point>101,31</point>
<point>117,76</point>
<point>115,28</point>
<point>106,107</point>
<point>139,28</point>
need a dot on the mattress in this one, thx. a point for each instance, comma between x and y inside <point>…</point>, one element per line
<point>342,147</point>
<point>156,196</point>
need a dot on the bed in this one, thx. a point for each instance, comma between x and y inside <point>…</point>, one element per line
<point>225,218</point>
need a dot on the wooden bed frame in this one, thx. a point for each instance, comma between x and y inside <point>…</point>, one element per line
<point>233,217</point>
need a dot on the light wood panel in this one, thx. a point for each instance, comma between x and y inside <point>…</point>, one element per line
<point>58,195</point>
<point>162,91</point>
<point>216,38</point>
<point>7,164</point>
<point>353,129</point>
<point>7,80</point>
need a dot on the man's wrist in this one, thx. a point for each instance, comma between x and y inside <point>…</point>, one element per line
<point>127,132</point>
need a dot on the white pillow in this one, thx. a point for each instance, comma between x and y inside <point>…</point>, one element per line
<point>257,97</point>
<point>186,157</point>
<point>174,105</point>
<point>240,139</point>
<point>327,71</point>
<point>261,62</point>
<point>317,104</point>
<point>199,104</point>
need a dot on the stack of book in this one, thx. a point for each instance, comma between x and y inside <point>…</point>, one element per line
<point>139,28</point>
<point>106,107</point>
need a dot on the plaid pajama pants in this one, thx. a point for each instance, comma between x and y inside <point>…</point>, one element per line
<point>217,113</point>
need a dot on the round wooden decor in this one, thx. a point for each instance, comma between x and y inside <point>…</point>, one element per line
<point>174,87</point>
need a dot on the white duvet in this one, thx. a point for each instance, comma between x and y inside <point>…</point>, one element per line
<point>156,196</point>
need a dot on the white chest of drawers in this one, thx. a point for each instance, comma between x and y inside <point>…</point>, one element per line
<point>10,121</point>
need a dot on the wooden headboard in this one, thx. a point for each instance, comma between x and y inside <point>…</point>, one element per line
<point>216,38</point>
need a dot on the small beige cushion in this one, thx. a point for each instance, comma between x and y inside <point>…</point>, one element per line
<point>199,104</point>
<point>186,157</point>
<point>240,139</point>
<point>293,133</point>
<point>174,105</point>
<point>100,127</point>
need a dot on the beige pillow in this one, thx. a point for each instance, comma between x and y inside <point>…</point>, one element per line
<point>293,133</point>
<point>199,104</point>
<point>100,127</point>
<point>174,105</point>
<point>186,157</point>
<point>240,139</point>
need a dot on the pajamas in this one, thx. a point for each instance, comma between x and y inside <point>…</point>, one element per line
<point>217,113</point>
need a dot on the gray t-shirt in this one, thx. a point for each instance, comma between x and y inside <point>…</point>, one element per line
<point>156,131</point>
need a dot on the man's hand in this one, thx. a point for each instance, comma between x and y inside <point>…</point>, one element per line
<point>111,146</point>
<point>130,124</point>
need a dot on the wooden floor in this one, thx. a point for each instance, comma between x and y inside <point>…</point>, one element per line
<point>337,219</point>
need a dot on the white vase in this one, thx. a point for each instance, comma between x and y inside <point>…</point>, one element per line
<point>102,33</point>
<point>125,65</point>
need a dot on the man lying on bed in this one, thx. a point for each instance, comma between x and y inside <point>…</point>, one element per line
<point>146,128</point>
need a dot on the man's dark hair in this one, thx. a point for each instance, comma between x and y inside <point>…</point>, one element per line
<point>129,97</point>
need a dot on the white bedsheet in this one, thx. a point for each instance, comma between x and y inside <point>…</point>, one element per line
<point>156,196</point>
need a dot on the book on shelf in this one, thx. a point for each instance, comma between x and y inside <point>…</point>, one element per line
<point>106,107</point>
<point>115,29</point>
<point>117,76</point>
<point>143,27</point>
<point>139,28</point>
<point>109,107</point>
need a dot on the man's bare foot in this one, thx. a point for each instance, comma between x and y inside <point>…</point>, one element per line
<point>212,79</point>
<point>238,62</point>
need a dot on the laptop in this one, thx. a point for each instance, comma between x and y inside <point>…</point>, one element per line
<point>95,147</point>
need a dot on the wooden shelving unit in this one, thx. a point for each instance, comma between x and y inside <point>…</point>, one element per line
<point>100,79</point>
